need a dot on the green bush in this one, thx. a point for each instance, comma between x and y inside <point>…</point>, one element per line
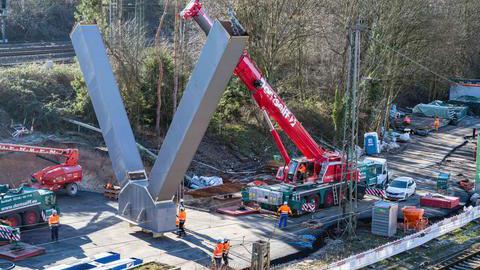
<point>34,92</point>
<point>40,20</point>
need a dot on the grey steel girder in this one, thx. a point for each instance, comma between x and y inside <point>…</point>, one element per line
<point>148,202</point>
<point>107,102</point>
<point>209,79</point>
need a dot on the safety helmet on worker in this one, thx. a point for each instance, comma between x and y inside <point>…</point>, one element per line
<point>219,241</point>
<point>285,203</point>
<point>54,212</point>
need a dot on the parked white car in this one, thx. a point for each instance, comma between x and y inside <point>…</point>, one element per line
<point>401,188</point>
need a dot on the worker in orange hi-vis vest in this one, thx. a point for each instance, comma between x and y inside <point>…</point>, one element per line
<point>284,211</point>
<point>181,219</point>
<point>436,123</point>
<point>226,250</point>
<point>303,171</point>
<point>54,223</point>
<point>218,254</point>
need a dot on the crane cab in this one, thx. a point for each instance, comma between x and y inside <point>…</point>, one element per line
<point>300,170</point>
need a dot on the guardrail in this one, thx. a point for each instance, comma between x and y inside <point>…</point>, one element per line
<point>411,241</point>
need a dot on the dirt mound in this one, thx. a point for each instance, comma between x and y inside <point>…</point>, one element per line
<point>16,168</point>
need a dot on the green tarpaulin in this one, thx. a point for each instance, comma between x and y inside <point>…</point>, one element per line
<point>441,109</point>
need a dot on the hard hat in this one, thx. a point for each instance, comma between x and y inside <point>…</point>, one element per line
<point>181,200</point>
<point>54,212</point>
<point>285,202</point>
<point>219,241</point>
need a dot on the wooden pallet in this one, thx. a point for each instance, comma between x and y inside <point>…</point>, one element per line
<point>112,194</point>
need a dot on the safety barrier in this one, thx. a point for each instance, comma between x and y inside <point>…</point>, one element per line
<point>411,241</point>
<point>9,233</point>
<point>377,192</point>
<point>105,261</point>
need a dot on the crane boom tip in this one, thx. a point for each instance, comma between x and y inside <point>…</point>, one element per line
<point>191,10</point>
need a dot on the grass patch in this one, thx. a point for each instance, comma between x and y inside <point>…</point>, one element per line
<point>155,266</point>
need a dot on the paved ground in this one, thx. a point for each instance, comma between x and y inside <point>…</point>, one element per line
<point>90,225</point>
<point>424,157</point>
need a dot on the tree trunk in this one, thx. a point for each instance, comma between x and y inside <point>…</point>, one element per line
<point>175,56</point>
<point>158,40</point>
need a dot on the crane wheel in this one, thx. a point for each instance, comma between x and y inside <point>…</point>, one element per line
<point>328,200</point>
<point>316,200</point>
<point>72,189</point>
<point>14,220</point>
<point>31,217</point>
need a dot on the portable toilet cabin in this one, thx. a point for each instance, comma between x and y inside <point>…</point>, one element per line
<point>371,144</point>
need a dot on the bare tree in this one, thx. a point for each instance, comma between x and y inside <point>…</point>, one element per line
<point>128,59</point>
<point>176,34</point>
<point>158,48</point>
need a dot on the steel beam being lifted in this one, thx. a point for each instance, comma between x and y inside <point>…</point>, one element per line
<point>200,99</point>
<point>107,102</point>
<point>142,201</point>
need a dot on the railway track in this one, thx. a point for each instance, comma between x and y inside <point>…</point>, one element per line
<point>467,259</point>
<point>21,53</point>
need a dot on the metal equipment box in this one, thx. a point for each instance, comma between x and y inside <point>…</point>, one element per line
<point>442,180</point>
<point>384,218</point>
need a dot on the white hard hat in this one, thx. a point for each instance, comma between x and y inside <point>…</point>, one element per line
<point>285,202</point>
<point>54,212</point>
<point>181,200</point>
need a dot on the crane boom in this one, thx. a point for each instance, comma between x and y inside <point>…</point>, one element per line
<point>263,94</point>
<point>70,154</point>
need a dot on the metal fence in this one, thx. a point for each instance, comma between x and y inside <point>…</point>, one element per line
<point>411,241</point>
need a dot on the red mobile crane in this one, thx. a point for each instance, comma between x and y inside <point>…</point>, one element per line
<point>321,165</point>
<point>65,175</point>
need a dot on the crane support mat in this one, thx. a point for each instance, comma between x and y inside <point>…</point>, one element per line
<point>439,201</point>
<point>237,211</point>
<point>20,251</point>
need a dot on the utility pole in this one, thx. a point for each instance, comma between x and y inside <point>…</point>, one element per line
<point>140,13</point>
<point>348,204</point>
<point>120,11</point>
<point>260,255</point>
<point>3,21</point>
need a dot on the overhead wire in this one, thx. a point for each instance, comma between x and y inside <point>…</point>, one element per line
<point>413,60</point>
